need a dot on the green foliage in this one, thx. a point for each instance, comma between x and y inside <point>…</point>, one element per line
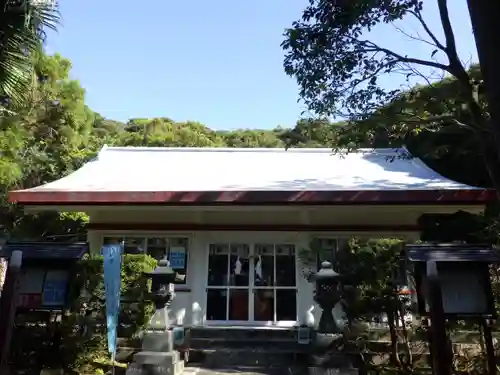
<point>79,342</point>
<point>337,69</point>
<point>54,133</point>
<point>22,25</point>
<point>338,66</point>
<point>372,266</point>
<point>462,226</point>
<point>374,269</point>
<point>84,330</point>
<point>428,121</point>
<point>50,136</point>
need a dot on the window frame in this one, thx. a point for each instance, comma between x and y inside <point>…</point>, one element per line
<point>168,237</point>
<point>320,251</point>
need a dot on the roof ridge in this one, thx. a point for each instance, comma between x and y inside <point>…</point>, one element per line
<point>386,151</point>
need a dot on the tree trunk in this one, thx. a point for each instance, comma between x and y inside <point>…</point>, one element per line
<point>491,157</point>
<point>485,19</point>
<point>391,320</point>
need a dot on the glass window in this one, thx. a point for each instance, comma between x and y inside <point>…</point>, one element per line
<point>285,265</point>
<point>218,265</point>
<point>178,255</point>
<point>112,240</point>
<point>327,250</point>
<point>264,265</point>
<point>174,248</point>
<point>157,247</point>
<point>134,245</point>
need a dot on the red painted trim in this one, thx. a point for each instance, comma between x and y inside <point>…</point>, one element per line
<point>45,197</point>
<point>251,227</point>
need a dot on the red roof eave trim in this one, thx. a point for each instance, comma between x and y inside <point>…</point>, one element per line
<point>46,197</point>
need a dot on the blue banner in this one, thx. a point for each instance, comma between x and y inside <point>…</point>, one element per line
<point>112,285</point>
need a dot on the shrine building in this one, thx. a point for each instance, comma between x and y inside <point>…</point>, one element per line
<point>236,221</point>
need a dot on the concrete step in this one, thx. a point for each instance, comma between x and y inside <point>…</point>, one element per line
<point>244,333</point>
<point>244,346</point>
<point>214,343</point>
<point>249,357</point>
<point>233,346</point>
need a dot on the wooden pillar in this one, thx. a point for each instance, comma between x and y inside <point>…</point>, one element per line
<point>442,360</point>
<point>8,304</point>
<point>490,350</point>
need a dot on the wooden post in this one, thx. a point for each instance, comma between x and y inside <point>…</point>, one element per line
<point>8,306</point>
<point>490,350</point>
<point>442,361</point>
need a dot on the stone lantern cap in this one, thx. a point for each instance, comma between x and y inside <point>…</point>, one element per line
<point>326,273</point>
<point>164,272</point>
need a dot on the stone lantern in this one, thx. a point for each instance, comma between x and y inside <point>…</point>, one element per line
<point>163,278</point>
<point>327,295</point>
<point>328,344</point>
<point>158,354</point>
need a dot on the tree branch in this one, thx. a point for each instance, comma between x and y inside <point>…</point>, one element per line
<point>424,121</point>
<point>367,77</point>
<point>451,47</point>
<point>372,47</point>
<point>456,68</point>
<point>427,29</point>
<point>417,38</point>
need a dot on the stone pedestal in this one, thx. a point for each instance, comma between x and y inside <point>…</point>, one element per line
<point>157,356</point>
<point>162,341</point>
<point>156,363</point>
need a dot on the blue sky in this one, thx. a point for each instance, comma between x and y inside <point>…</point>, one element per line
<point>218,62</point>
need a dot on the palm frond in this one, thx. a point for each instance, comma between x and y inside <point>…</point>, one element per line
<point>22,34</point>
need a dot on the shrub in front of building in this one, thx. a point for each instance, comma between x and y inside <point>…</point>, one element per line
<point>84,334</point>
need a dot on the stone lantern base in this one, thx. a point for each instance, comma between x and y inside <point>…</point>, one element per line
<point>156,363</point>
<point>157,356</point>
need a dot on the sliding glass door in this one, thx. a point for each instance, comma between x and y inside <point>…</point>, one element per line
<point>250,283</point>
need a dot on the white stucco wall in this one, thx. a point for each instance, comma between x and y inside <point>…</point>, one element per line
<point>189,306</point>
<point>190,303</point>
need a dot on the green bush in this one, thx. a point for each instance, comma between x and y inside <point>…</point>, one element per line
<point>373,267</point>
<point>84,339</point>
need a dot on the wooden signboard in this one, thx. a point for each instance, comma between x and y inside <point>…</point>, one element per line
<point>41,288</point>
<point>464,291</point>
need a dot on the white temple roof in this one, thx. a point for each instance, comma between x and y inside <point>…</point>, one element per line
<point>149,169</point>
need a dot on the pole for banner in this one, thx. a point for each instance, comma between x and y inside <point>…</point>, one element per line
<point>8,307</point>
<point>113,356</point>
<point>112,268</point>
